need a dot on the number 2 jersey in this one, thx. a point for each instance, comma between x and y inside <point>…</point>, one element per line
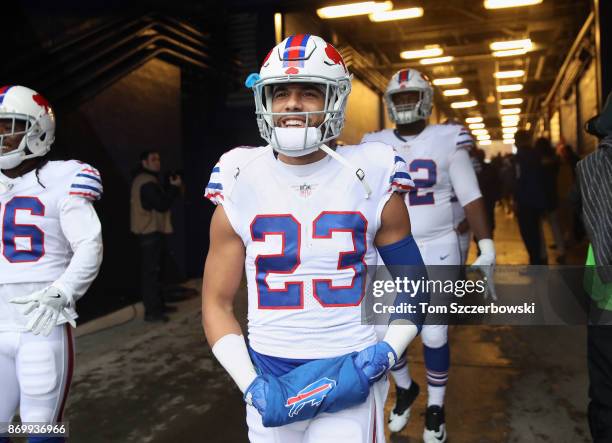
<point>309,235</point>
<point>439,163</point>
<point>43,218</point>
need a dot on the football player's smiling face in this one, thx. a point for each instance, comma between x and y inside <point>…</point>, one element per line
<point>406,98</point>
<point>11,142</point>
<point>297,97</point>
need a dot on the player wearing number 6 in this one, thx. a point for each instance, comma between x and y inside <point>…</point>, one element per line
<point>50,252</point>
<point>305,221</point>
<point>438,161</point>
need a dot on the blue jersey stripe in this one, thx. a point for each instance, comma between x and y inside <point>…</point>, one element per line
<point>91,188</point>
<point>91,177</point>
<point>215,186</point>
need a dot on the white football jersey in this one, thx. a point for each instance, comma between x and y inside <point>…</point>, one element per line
<point>33,247</point>
<point>438,162</point>
<point>309,238</point>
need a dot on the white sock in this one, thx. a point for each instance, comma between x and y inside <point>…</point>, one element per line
<point>435,395</point>
<point>402,377</point>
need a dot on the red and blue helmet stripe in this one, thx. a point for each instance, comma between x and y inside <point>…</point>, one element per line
<point>403,76</point>
<point>3,91</point>
<point>295,50</point>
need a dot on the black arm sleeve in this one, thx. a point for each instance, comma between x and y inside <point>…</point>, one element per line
<point>153,196</point>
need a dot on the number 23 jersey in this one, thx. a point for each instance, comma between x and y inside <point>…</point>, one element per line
<point>308,232</point>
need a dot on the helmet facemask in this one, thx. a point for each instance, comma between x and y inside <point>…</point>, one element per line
<point>11,157</point>
<point>296,142</point>
<point>408,113</point>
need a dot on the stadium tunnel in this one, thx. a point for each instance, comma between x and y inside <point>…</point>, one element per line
<point>170,77</point>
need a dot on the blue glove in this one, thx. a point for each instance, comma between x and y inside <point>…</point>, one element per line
<point>376,360</point>
<point>256,394</point>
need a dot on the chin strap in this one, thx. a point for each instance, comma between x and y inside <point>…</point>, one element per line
<point>359,174</point>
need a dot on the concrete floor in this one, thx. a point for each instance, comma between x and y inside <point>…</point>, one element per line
<point>136,382</point>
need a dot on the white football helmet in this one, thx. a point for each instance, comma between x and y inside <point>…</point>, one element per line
<point>409,80</point>
<point>302,58</point>
<point>18,103</point>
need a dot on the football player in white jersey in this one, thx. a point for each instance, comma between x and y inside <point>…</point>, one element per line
<point>51,250</point>
<point>439,164</point>
<point>304,221</point>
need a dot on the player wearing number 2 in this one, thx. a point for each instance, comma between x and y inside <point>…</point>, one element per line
<point>305,222</point>
<point>438,160</point>
<point>51,250</point>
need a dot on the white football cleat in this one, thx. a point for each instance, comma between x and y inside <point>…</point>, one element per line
<point>398,419</point>
<point>435,425</point>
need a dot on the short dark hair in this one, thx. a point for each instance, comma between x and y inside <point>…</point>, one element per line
<point>144,155</point>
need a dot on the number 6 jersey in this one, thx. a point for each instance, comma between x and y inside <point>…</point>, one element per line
<point>43,220</point>
<point>308,231</point>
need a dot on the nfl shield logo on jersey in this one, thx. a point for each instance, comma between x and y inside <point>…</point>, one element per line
<point>312,394</point>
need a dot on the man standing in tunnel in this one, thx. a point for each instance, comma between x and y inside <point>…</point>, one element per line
<point>595,183</point>
<point>152,224</point>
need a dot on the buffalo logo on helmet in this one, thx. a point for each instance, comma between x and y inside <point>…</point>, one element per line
<point>333,54</point>
<point>265,62</point>
<point>42,102</point>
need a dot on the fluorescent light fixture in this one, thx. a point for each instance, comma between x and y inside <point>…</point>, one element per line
<point>484,142</point>
<point>510,118</point>
<point>509,130</point>
<point>476,125</point>
<point>351,9</point>
<point>396,14</point>
<point>508,137</point>
<point>511,44</point>
<point>480,132</point>
<point>509,88</point>
<point>469,104</point>
<point>484,137</point>
<point>509,74</point>
<point>428,51</point>
<point>509,111</point>
<point>436,60</point>
<point>278,27</point>
<point>509,123</point>
<point>455,92</point>
<point>510,52</point>
<point>508,141</point>
<point>447,81</point>
<point>498,4</point>
<point>473,120</point>
<point>510,101</point>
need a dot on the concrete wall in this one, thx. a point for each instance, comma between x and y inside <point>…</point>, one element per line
<point>362,113</point>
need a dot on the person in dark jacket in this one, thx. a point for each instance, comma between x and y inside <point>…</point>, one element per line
<point>594,175</point>
<point>529,196</point>
<point>151,222</point>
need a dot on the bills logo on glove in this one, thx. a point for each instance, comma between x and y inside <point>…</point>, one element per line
<point>312,394</point>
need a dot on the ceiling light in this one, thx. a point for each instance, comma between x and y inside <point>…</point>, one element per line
<point>476,125</point>
<point>509,111</point>
<point>396,14</point>
<point>509,130</point>
<point>508,136</point>
<point>508,141</point>
<point>511,44</point>
<point>484,137</point>
<point>447,81</point>
<point>484,142</point>
<point>480,132</point>
<point>509,74</point>
<point>498,4</point>
<point>509,123</point>
<point>509,88</point>
<point>433,61</point>
<point>428,51</point>
<point>473,120</point>
<point>510,52</point>
<point>468,104</point>
<point>510,101</point>
<point>454,92</point>
<point>507,118</point>
<point>351,9</point>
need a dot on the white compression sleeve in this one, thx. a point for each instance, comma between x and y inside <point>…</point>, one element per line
<point>232,353</point>
<point>399,337</point>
